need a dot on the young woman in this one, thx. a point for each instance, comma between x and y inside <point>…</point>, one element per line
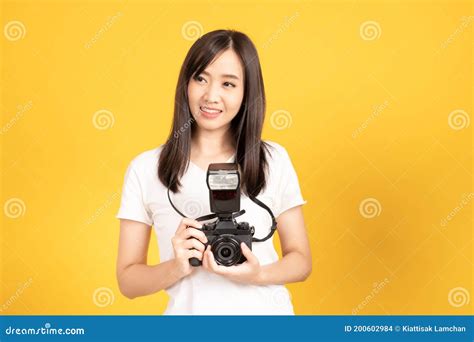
<point>218,118</point>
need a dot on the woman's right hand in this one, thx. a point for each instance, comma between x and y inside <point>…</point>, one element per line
<point>188,243</point>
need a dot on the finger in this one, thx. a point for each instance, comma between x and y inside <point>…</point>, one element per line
<point>193,253</point>
<point>181,227</point>
<point>211,263</point>
<point>197,234</point>
<point>248,253</point>
<point>193,243</point>
<point>192,223</point>
<point>187,222</point>
<point>214,266</point>
<point>205,258</point>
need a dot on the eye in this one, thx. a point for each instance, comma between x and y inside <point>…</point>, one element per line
<point>199,78</point>
<point>228,84</point>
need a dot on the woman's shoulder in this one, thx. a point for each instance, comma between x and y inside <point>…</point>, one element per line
<point>275,151</point>
<point>146,159</point>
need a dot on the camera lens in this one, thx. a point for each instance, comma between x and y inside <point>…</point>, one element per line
<point>227,250</point>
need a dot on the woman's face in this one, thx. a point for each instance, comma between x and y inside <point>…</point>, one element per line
<point>215,95</point>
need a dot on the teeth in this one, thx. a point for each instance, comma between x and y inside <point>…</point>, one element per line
<point>212,111</point>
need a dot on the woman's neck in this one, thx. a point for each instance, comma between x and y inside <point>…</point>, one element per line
<point>212,143</point>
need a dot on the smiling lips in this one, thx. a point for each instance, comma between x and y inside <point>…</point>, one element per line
<point>210,113</point>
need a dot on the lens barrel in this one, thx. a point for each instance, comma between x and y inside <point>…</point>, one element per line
<point>226,250</point>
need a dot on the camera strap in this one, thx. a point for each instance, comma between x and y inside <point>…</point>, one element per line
<point>212,216</point>
<point>274,223</point>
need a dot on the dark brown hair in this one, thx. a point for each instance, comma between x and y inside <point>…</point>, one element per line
<point>246,126</point>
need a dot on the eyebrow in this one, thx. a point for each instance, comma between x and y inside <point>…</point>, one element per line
<point>223,75</point>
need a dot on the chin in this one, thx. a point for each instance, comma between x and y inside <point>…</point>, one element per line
<point>210,126</point>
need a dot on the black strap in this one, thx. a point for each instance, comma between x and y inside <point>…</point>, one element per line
<point>169,199</point>
<point>273,228</point>
<point>206,217</point>
<point>239,213</point>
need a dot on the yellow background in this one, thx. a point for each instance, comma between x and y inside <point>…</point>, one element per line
<point>369,119</point>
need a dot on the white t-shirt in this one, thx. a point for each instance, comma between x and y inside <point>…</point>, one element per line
<point>144,199</point>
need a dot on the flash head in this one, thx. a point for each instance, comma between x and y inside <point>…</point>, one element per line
<point>223,181</point>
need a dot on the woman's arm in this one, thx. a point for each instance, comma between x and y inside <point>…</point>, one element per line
<point>135,277</point>
<point>295,264</point>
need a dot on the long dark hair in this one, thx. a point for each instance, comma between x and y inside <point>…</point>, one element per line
<point>246,126</point>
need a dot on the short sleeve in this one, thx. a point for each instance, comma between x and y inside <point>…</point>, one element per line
<point>288,192</point>
<point>132,206</point>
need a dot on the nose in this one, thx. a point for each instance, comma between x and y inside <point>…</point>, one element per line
<point>212,94</point>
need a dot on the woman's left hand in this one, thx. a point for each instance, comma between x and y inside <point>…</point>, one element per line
<point>248,272</point>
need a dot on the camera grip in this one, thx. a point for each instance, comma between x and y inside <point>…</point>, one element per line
<point>195,262</point>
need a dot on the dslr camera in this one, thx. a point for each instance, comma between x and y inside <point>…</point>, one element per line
<point>225,234</point>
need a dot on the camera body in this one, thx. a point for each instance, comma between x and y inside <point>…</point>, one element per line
<point>225,234</point>
<point>225,238</point>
